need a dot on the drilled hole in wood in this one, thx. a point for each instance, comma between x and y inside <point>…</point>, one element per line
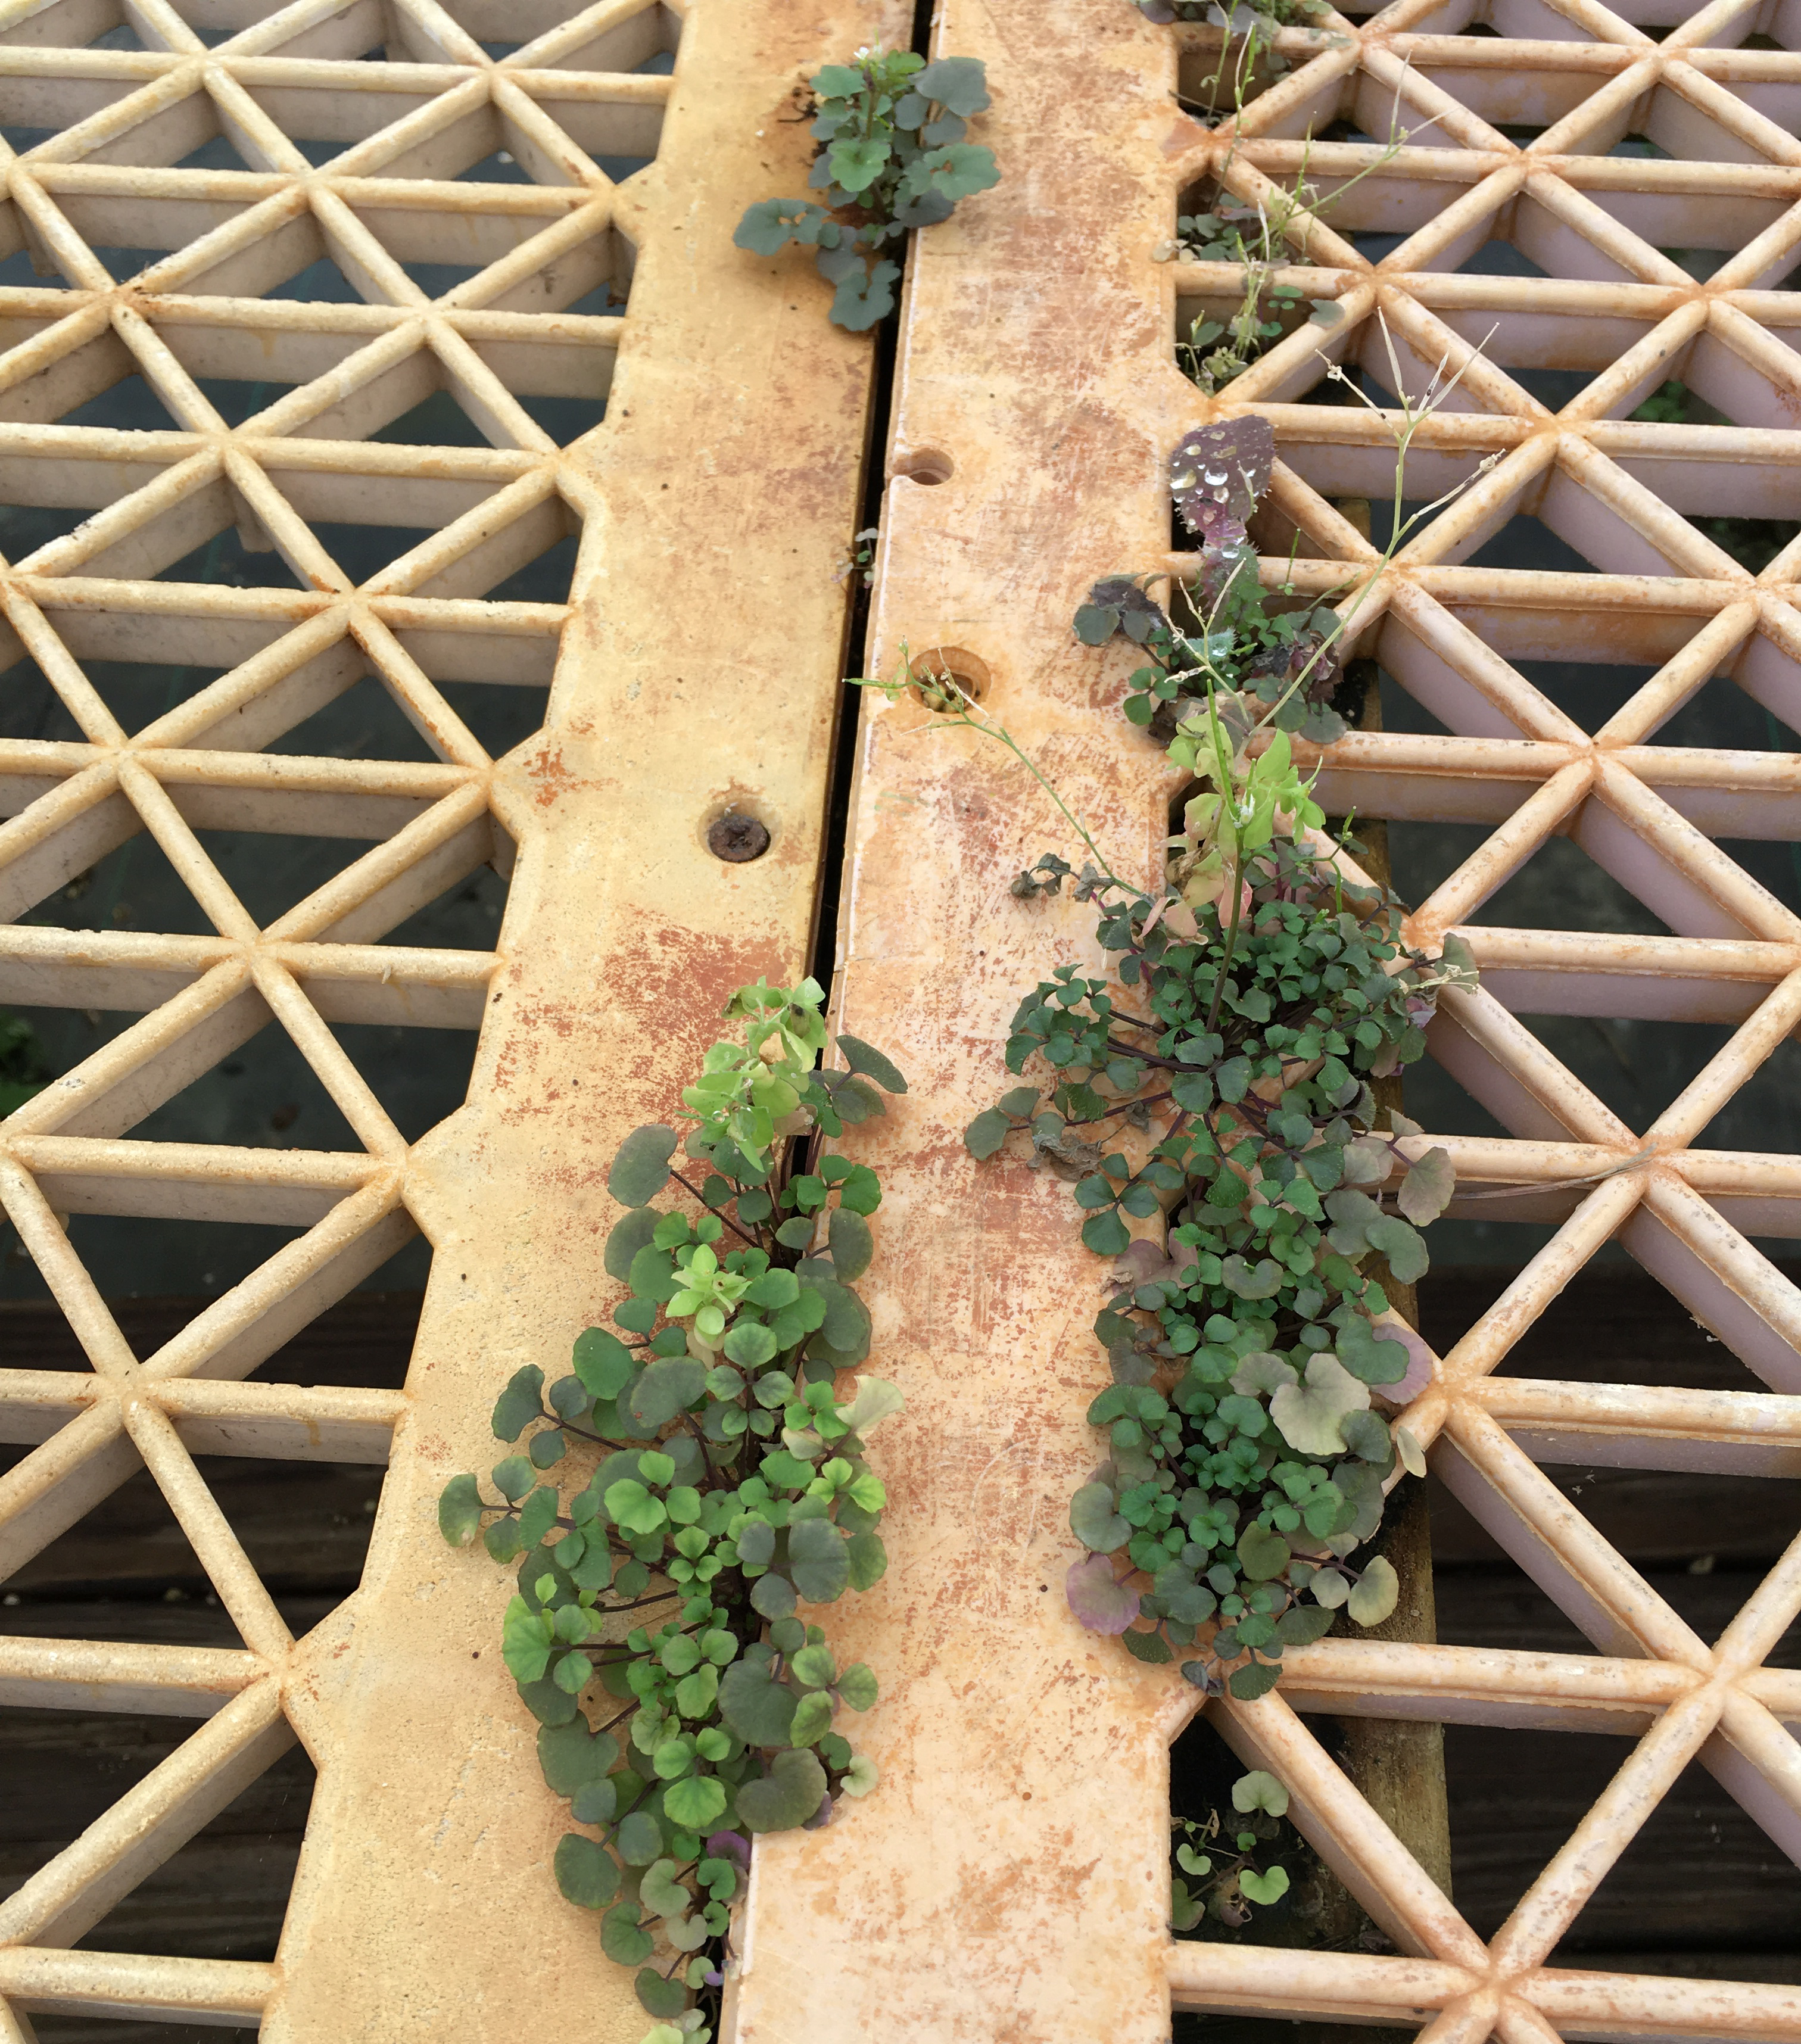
<point>944,674</point>
<point>925,464</point>
<point>737,838</point>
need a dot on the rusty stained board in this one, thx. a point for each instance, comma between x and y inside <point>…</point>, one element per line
<point>1010,1880</point>
<point>695,671</point>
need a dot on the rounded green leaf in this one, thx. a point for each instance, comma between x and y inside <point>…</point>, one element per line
<point>621,1938</point>
<point>817,1561</point>
<point>865,1058</point>
<point>1301,1624</point>
<point>658,1997</point>
<point>1148,1647</point>
<point>814,1668</point>
<point>984,1137</point>
<point>641,1168</point>
<point>602,1362</point>
<point>760,1711</point>
<point>525,1642</point>
<point>1095,1522</point>
<point>666,1389</point>
<point>459,1510</point>
<point>1255,1679</point>
<point>1106,1234</point>
<point>520,1403</point>
<point>959,84</point>
<point>1309,1415</point>
<point>660,1891</point>
<point>549,1705</point>
<point>1426,1190</point>
<point>846,1329</point>
<point>1403,1247</point>
<point>868,1558</point>
<point>585,1872</point>
<point>861,1777</point>
<point>857,1686</point>
<point>812,1718</point>
<point>786,1796</point>
<point>750,1344</point>
<point>697,1804</point>
<point>773,1596</point>
<point>1375,1597</point>
<point>1330,1587</point>
<point>1259,1791</point>
<point>571,1756</point>
<point>1264,1887</point>
<point>1262,1554</point>
<point>640,1838</point>
<point>628,1236</point>
<point>853,1248</point>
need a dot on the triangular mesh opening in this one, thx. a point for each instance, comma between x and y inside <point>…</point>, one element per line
<point>565,419</point>
<point>1752,542</point>
<point>224,1894</point>
<point>270,871</point>
<point>645,42</point>
<point>203,1260</point>
<point>225,558</point>
<point>438,280</point>
<point>133,887</point>
<point>498,716</point>
<point>365,1340</point>
<point>1588,691</point>
<point>1721,715</point>
<point>1612,1323</point>
<point>264,1096</point>
<point>130,406</point>
<point>18,272</point>
<point>1425,855</point>
<point>363,723</point>
<point>465,916</point>
<point>1687,132</point>
<point>137,695</point>
<point>1521,99</point>
<point>321,282</point>
<point>304,1525</point>
<point>1496,258</point>
<point>1515,1796</point>
<point>26,527</point>
<point>545,580</point>
<point>1639,1914</point>
<point>236,399</point>
<point>1525,542</point>
<point>362,551</point>
<point>1766,1112</point>
<point>438,420</point>
<point>1202,1770</point>
<point>31,708</point>
<point>1559,887</point>
<point>128,1550</point>
<point>216,154</point>
<point>499,167</point>
<point>420,1076</point>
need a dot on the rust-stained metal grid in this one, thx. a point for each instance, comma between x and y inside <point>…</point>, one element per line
<point>473,171</point>
<point>1012,1873</point>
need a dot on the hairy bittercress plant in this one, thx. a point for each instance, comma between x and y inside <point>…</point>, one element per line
<point>721,1483</point>
<point>892,157</point>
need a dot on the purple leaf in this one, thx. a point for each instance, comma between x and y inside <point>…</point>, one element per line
<point>733,1846</point>
<point>1224,467</point>
<point>1099,1600</point>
